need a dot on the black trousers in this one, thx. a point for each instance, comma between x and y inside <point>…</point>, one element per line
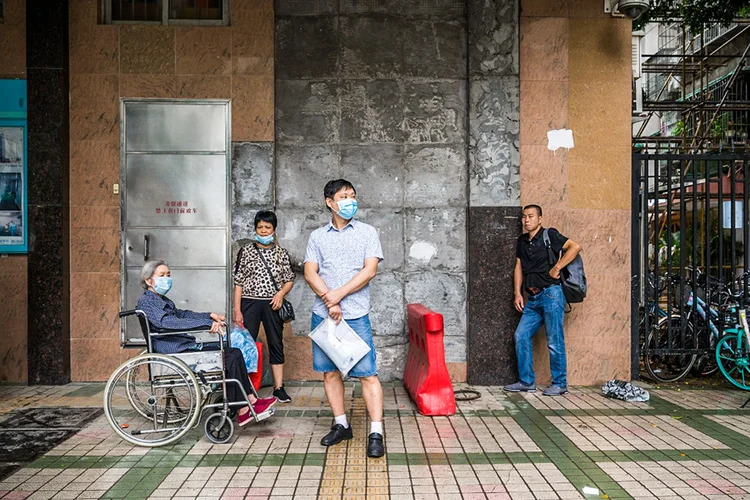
<point>256,311</point>
<point>236,369</point>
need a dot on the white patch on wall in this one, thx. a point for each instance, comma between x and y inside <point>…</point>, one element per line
<point>422,250</point>
<point>557,139</point>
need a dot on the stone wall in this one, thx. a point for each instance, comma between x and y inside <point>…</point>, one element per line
<point>378,93</point>
<point>13,268</point>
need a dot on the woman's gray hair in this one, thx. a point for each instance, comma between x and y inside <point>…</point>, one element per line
<point>148,270</point>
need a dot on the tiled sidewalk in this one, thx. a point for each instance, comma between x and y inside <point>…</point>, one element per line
<point>687,444</point>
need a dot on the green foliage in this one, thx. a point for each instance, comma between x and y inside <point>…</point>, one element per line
<point>678,128</point>
<point>717,129</point>
<point>696,14</point>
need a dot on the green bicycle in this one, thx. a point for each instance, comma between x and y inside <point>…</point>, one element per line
<point>733,355</point>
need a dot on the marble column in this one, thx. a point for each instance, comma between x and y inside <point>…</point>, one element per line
<point>48,218</point>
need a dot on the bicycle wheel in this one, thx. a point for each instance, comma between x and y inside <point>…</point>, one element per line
<point>733,360</point>
<point>705,364</point>
<point>667,367</point>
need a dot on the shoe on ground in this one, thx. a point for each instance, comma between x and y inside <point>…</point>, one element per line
<point>375,447</point>
<point>263,404</point>
<point>338,433</point>
<point>281,395</point>
<point>520,387</point>
<point>555,390</point>
<point>244,419</point>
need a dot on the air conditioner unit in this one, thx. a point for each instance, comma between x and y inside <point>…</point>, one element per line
<point>638,97</point>
<point>636,55</point>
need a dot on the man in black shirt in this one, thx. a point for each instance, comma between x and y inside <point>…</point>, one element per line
<point>546,301</point>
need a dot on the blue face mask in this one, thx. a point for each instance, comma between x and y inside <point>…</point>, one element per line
<point>264,240</point>
<point>162,284</point>
<point>347,208</point>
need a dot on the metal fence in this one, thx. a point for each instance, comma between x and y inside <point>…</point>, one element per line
<point>690,240</point>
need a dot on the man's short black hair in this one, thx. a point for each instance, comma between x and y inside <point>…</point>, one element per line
<point>333,187</point>
<point>538,209</point>
<point>265,216</point>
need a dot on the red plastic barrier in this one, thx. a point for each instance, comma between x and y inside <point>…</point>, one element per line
<point>426,375</point>
<point>256,377</point>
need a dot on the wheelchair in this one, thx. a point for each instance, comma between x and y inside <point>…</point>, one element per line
<point>155,399</point>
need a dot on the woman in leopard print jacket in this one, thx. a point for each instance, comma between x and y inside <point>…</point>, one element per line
<point>258,294</point>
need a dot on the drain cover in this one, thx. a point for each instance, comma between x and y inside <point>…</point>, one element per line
<point>29,433</point>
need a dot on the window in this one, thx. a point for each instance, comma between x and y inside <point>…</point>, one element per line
<point>195,9</point>
<point>201,12</point>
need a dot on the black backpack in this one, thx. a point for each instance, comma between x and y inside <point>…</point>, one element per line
<point>573,277</point>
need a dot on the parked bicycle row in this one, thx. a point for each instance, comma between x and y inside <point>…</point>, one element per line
<point>695,324</point>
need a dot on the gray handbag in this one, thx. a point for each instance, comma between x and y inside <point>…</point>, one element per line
<point>286,313</point>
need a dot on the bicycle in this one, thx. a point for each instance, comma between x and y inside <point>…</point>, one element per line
<point>732,353</point>
<point>727,306</point>
<point>668,355</point>
<point>659,359</point>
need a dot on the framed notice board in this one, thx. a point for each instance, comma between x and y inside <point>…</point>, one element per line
<point>14,231</point>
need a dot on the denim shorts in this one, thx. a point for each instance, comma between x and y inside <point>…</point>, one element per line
<point>367,365</point>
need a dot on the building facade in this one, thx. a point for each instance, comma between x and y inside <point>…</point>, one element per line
<point>438,111</point>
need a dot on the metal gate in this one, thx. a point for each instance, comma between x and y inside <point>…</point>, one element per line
<point>689,241</point>
<point>175,201</point>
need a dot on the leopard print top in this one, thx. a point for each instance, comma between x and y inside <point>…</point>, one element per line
<point>251,274</point>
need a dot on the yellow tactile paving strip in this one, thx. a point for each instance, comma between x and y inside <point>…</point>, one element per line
<point>348,473</point>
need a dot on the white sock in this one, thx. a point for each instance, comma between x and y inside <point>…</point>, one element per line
<point>376,427</point>
<point>341,419</point>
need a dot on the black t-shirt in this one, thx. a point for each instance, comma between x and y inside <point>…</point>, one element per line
<point>534,258</point>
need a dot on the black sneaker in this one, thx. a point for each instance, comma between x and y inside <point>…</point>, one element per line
<point>281,395</point>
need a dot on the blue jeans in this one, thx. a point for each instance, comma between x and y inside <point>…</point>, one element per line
<point>545,308</point>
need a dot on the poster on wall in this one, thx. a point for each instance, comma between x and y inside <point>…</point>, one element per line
<point>12,189</point>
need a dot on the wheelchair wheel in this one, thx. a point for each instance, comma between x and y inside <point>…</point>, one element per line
<point>139,399</point>
<point>152,400</point>
<point>219,428</point>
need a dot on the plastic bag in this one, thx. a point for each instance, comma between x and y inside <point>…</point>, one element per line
<point>625,391</point>
<point>240,338</point>
<point>340,343</point>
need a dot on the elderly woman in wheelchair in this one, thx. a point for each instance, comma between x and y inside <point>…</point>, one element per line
<point>162,385</point>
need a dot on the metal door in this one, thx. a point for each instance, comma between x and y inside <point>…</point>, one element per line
<point>175,202</point>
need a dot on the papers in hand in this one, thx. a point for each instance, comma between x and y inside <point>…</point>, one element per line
<point>340,343</point>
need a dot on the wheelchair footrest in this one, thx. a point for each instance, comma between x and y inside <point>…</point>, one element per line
<point>266,414</point>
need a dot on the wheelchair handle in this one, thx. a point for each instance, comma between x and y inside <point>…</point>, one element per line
<point>131,312</point>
